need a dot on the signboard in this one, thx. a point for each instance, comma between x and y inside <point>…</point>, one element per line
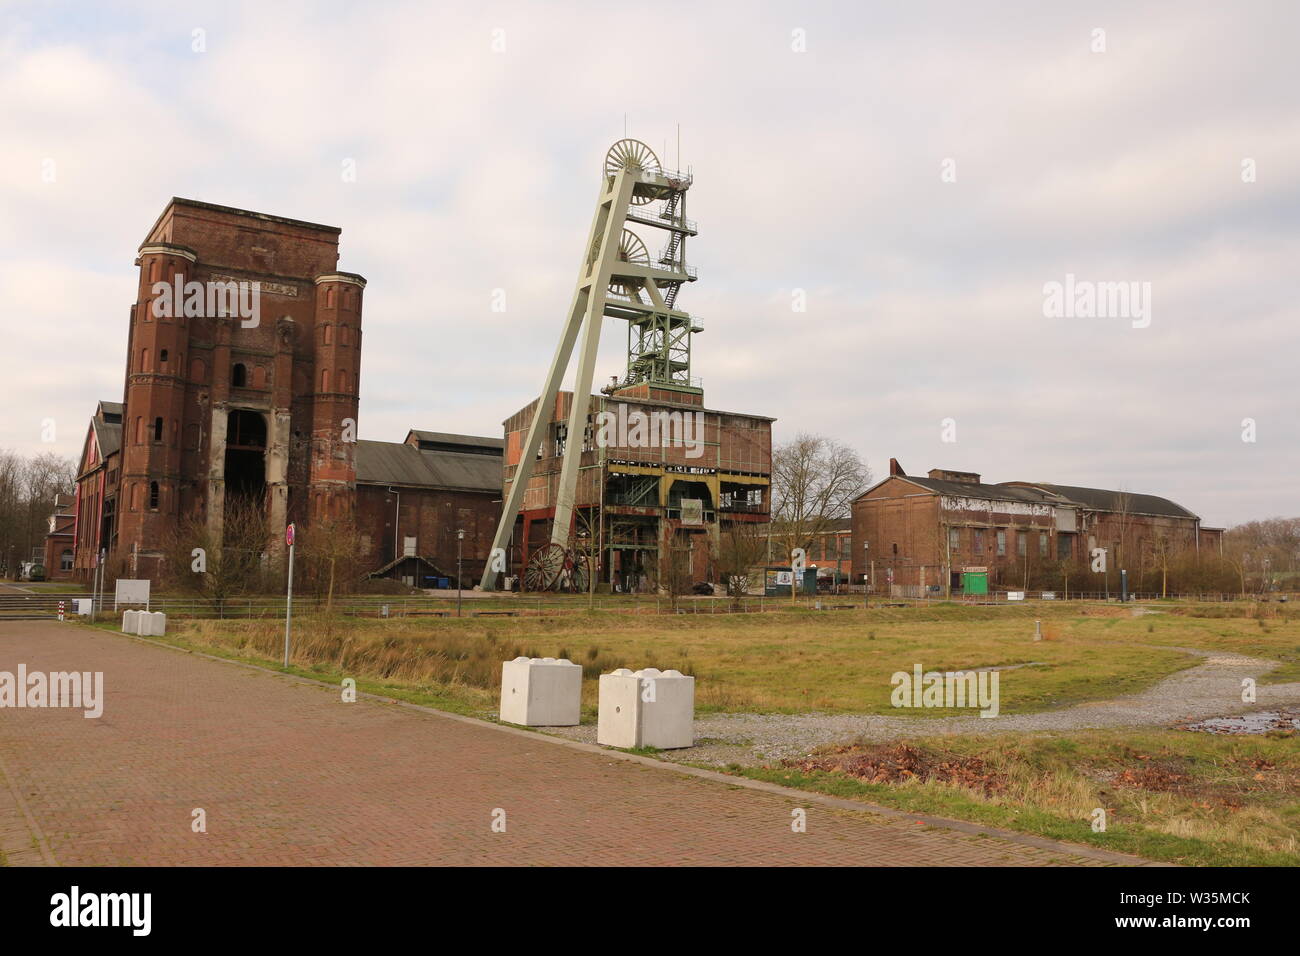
<point>1015,595</point>
<point>131,591</point>
<point>785,578</point>
<point>1049,595</point>
<point>693,512</point>
<point>288,535</point>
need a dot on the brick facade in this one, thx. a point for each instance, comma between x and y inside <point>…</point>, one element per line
<point>219,404</point>
<point>922,533</point>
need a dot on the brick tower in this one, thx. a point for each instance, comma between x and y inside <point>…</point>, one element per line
<point>223,402</point>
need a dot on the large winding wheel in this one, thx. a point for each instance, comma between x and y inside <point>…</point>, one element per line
<point>554,568</point>
<point>630,249</point>
<point>632,154</point>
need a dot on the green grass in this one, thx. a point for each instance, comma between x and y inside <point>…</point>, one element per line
<point>1192,799</point>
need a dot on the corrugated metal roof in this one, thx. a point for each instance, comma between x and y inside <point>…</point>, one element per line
<point>1095,499</point>
<point>982,491</point>
<point>396,463</point>
<point>1101,499</point>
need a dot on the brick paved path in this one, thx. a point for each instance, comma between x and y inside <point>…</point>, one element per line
<point>288,774</point>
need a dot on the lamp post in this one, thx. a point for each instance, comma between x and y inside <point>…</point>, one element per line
<point>460,537</point>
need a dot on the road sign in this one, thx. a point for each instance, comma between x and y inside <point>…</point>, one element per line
<point>288,536</point>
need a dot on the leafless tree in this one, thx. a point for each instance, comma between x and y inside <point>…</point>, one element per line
<point>235,564</point>
<point>814,482</point>
<point>331,548</point>
<point>28,487</point>
<point>742,547</point>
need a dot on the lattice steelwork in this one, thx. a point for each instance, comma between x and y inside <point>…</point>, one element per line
<point>618,278</point>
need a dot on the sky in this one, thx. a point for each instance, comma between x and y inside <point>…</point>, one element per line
<point>885,193</point>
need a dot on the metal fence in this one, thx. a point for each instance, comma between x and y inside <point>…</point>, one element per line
<point>36,605</point>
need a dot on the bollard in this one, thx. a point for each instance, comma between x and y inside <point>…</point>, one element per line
<point>60,610</point>
<point>541,692</point>
<point>1038,630</point>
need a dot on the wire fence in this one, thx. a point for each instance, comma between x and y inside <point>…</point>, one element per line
<point>475,604</point>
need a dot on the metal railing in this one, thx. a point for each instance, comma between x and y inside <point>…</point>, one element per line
<point>661,218</point>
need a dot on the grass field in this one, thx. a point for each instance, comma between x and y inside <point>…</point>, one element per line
<point>789,661</point>
<point>1170,795</point>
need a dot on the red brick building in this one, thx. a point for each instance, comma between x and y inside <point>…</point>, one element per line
<point>224,403</point>
<point>414,497</point>
<point>917,535</point>
<point>646,500</point>
<point>60,539</point>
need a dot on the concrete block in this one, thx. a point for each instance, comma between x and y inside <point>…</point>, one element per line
<point>648,708</point>
<point>541,692</point>
<point>130,622</point>
<point>668,717</point>
<point>618,721</point>
<point>156,625</point>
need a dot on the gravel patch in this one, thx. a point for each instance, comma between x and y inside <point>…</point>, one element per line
<point>1210,689</point>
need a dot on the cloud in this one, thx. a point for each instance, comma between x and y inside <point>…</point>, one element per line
<point>817,171</point>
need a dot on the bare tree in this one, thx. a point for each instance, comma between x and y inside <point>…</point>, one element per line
<point>814,482</point>
<point>216,569</point>
<point>28,488</point>
<point>742,547</point>
<point>331,551</point>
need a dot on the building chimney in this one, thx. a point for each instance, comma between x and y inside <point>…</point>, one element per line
<point>895,468</point>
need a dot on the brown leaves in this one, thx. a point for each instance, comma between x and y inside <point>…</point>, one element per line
<point>902,763</point>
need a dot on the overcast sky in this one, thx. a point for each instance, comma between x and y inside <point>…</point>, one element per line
<point>819,135</point>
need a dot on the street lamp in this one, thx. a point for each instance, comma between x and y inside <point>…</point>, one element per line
<point>460,537</point>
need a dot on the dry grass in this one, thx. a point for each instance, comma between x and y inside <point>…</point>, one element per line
<point>1168,794</point>
<point>792,661</point>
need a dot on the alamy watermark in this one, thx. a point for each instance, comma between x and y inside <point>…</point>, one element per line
<point>946,689</point>
<point>654,429</point>
<point>1085,299</point>
<point>214,298</point>
<point>74,689</point>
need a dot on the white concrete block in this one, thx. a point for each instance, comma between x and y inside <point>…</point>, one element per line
<point>668,709</point>
<point>648,708</point>
<point>157,624</point>
<point>130,622</point>
<point>541,692</point>
<point>618,721</point>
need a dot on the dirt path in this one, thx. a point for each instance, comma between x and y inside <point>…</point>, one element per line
<point>1211,689</point>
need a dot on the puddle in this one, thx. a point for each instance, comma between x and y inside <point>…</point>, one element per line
<point>1258,723</point>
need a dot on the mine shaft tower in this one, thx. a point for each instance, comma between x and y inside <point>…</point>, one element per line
<point>617,278</point>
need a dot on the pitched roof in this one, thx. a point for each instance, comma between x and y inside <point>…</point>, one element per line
<point>450,440</point>
<point>964,489</point>
<point>396,463</point>
<point>1101,499</point>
